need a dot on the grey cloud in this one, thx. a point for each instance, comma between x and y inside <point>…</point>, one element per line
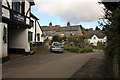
<point>71,10</point>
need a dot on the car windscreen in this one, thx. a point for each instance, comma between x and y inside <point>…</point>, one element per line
<point>57,44</point>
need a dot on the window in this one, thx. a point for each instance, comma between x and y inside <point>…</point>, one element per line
<point>18,6</point>
<point>38,37</point>
<point>94,38</point>
<point>32,23</point>
<point>30,36</point>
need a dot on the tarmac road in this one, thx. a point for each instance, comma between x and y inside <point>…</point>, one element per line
<point>47,65</point>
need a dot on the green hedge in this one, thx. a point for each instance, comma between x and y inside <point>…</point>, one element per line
<point>85,49</point>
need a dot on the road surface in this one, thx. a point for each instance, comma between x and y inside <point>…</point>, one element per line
<point>51,65</point>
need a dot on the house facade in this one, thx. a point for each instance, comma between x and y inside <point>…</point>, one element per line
<point>14,27</point>
<point>50,31</point>
<point>68,30</point>
<point>35,32</point>
<point>95,36</point>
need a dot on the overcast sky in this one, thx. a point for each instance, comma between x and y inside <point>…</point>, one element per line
<point>76,11</point>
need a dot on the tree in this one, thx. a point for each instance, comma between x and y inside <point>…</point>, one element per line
<point>56,38</point>
<point>64,38</point>
<point>103,29</point>
<point>77,40</point>
<point>112,30</point>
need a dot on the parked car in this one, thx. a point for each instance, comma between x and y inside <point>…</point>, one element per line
<point>56,47</point>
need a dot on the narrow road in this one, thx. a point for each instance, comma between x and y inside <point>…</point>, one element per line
<point>47,65</point>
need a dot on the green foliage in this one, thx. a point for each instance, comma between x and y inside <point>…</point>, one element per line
<point>113,33</point>
<point>5,34</point>
<point>77,40</point>
<point>85,49</point>
<point>57,38</point>
<point>47,39</point>
<point>64,38</point>
<point>101,45</point>
<point>42,35</point>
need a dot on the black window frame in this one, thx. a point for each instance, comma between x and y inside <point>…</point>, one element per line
<point>31,36</point>
<point>19,7</point>
<point>38,37</point>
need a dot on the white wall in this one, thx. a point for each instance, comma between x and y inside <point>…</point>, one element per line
<point>38,30</point>
<point>32,29</point>
<point>18,38</point>
<point>3,46</point>
<point>94,41</point>
<point>27,4</point>
<point>5,13</point>
<point>1,34</point>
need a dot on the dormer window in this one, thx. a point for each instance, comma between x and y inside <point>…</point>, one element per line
<point>94,38</point>
<point>18,6</point>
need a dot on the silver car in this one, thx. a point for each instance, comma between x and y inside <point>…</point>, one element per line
<point>56,47</point>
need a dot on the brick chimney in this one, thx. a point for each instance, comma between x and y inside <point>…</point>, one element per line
<point>68,24</point>
<point>50,24</point>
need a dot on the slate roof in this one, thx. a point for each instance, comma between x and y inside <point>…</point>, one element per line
<point>71,28</point>
<point>50,28</point>
<point>58,28</point>
<point>98,33</point>
<point>32,15</point>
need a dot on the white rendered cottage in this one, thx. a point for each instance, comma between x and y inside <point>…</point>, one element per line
<point>95,36</point>
<point>14,27</point>
<point>35,32</point>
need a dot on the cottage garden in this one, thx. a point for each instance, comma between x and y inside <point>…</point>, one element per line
<point>77,44</point>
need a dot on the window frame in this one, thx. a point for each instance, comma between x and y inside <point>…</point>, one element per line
<point>18,7</point>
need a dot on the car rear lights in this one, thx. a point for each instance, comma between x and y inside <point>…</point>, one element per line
<point>53,47</point>
<point>62,47</point>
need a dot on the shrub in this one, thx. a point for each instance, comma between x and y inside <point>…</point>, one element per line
<point>86,49</point>
<point>57,38</point>
<point>80,49</point>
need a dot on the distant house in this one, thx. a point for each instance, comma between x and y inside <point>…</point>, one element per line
<point>95,36</point>
<point>35,32</point>
<point>68,30</point>
<point>50,30</point>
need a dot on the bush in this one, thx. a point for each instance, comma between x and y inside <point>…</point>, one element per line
<point>100,45</point>
<point>57,38</point>
<point>85,49</point>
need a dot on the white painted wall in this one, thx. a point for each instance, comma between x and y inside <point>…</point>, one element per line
<point>94,41</point>
<point>38,30</point>
<point>1,34</point>
<point>19,39</point>
<point>27,4</point>
<point>3,46</point>
<point>5,13</point>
